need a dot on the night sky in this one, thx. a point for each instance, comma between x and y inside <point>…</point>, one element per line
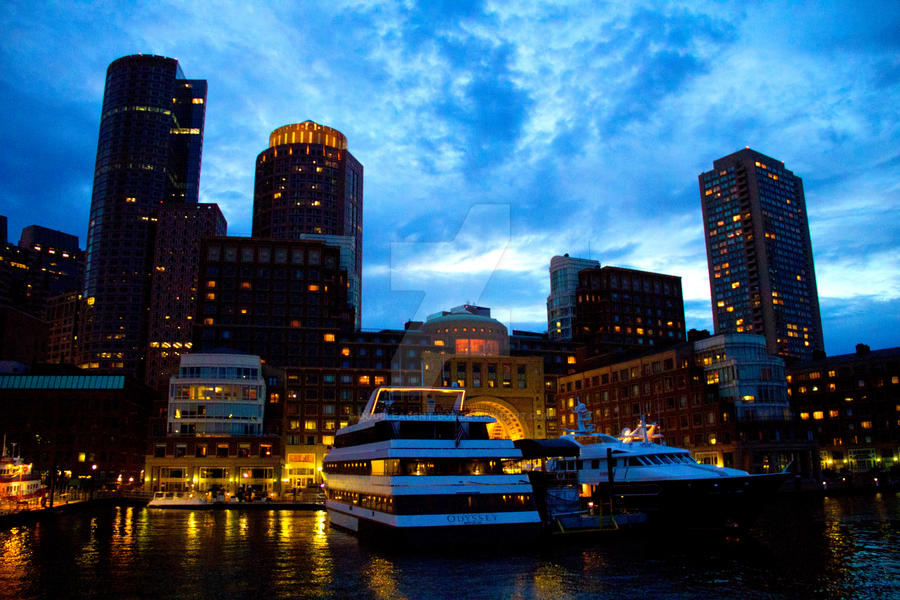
<point>495,136</point>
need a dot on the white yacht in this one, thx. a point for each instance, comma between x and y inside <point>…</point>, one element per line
<point>634,473</point>
<point>416,466</point>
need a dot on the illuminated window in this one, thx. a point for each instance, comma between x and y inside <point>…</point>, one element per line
<point>379,380</point>
<point>310,425</point>
<point>313,287</point>
<point>866,424</point>
<point>197,101</point>
<point>804,416</point>
<point>570,360</point>
<point>818,415</point>
<point>210,296</point>
<point>208,321</point>
<point>833,414</point>
<point>364,380</point>
<point>328,337</point>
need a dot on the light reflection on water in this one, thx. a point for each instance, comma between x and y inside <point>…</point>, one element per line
<point>843,547</point>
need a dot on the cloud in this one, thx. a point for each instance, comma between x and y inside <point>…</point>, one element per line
<point>589,125</point>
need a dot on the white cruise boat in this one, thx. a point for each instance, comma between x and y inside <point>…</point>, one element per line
<point>177,500</point>
<point>417,467</point>
<point>637,474</point>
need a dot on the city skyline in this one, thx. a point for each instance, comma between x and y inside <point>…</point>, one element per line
<point>485,154</point>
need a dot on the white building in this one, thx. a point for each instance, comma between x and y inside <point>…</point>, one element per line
<point>747,374</point>
<point>561,301</point>
<point>217,394</point>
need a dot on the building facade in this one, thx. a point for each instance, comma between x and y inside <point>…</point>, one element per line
<point>46,263</point>
<point>720,397</point>
<point>215,442</point>
<point>561,301</point>
<point>88,426</point>
<point>174,283</point>
<point>619,308</point>
<point>850,404</point>
<point>282,300</point>
<point>308,184</point>
<point>148,154</point>
<point>759,253</point>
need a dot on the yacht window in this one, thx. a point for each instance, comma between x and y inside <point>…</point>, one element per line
<point>655,459</point>
<point>665,458</point>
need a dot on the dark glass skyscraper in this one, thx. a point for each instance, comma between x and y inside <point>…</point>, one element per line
<point>309,187</point>
<point>760,257</point>
<point>148,154</point>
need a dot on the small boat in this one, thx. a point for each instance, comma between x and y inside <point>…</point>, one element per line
<point>177,500</point>
<point>18,487</point>
<point>418,468</point>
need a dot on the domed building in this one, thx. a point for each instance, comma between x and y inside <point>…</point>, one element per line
<point>468,330</point>
<point>475,356</point>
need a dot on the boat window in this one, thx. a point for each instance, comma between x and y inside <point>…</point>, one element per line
<point>665,458</point>
<point>635,461</point>
<point>654,459</point>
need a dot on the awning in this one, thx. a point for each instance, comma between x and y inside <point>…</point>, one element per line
<point>547,448</point>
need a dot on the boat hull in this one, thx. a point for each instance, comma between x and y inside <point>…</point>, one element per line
<point>480,529</point>
<point>692,503</point>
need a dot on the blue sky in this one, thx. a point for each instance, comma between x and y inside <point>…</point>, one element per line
<point>496,135</point>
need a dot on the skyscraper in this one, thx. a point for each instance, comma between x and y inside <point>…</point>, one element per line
<point>180,229</point>
<point>561,301</point>
<point>308,186</point>
<point>760,257</point>
<point>148,154</point>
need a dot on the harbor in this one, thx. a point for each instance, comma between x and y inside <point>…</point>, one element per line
<point>801,546</point>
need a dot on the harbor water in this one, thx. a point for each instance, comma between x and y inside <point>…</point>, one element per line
<point>808,547</point>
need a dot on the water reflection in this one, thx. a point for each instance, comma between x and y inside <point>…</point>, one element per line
<point>380,578</point>
<point>843,547</point>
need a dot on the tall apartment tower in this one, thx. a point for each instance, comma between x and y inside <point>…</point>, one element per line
<point>309,187</point>
<point>561,301</point>
<point>761,272</point>
<point>148,154</point>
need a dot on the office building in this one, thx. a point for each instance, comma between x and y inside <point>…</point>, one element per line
<point>619,309</point>
<point>148,155</point>
<point>282,300</point>
<point>309,186</point>
<point>561,301</point>
<point>45,263</point>
<point>761,273</point>
<point>180,228</point>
